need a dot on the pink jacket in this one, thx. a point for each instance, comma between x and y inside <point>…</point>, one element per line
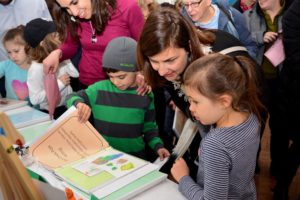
<point>127,20</point>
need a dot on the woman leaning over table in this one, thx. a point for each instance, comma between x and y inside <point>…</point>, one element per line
<point>168,44</point>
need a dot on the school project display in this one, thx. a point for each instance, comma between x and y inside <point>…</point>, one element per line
<point>15,182</point>
<point>33,132</point>
<point>9,104</point>
<point>9,130</point>
<point>26,116</point>
<point>79,155</point>
<point>93,173</point>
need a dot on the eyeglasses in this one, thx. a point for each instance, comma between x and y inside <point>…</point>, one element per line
<point>192,4</point>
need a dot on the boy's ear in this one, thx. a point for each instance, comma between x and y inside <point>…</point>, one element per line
<point>225,100</point>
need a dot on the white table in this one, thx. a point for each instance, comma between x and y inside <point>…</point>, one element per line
<point>164,190</point>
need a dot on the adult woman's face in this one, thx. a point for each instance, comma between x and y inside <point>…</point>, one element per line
<point>267,4</point>
<point>170,63</point>
<point>77,8</point>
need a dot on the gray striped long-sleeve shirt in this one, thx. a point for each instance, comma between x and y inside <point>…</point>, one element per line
<point>227,159</point>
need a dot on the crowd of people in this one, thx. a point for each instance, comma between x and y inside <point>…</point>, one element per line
<point>135,61</point>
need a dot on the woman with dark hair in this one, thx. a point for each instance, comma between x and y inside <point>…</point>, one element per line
<point>168,44</point>
<point>91,24</point>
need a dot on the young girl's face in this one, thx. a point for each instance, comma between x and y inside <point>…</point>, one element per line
<point>77,8</point>
<point>123,80</point>
<point>204,109</point>
<point>16,52</point>
<point>170,63</point>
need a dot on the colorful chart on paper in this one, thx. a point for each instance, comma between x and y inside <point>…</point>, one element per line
<point>99,170</point>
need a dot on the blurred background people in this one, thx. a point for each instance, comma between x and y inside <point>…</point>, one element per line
<point>22,12</point>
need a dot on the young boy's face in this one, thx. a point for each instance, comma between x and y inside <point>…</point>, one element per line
<point>16,53</point>
<point>123,80</point>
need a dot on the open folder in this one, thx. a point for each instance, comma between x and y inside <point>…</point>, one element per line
<point>275,53</point>
<point>80,156</point>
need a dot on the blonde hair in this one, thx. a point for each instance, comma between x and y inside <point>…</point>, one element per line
<point>178,4</point>
<point>147,7</point>
<point>15,35</point>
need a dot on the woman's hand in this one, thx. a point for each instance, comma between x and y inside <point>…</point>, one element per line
<point>270,37</point>
<point>163,153</point>
<point>51,62</point>
<point>84,112</point>
<point>179,169</point>
<point>143,87</point>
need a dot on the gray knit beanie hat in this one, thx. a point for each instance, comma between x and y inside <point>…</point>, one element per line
<point>120,54</point>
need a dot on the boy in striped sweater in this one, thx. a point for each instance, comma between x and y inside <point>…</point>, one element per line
<point>125,119</point>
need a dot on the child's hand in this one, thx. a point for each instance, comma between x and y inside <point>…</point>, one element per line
<point>163,153</point>
<point>65,79</point>
<point>179,169</point>
<point>84,112</point>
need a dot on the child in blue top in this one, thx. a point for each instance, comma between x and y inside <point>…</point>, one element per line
<point>223,92</point>
<point>15,69</point>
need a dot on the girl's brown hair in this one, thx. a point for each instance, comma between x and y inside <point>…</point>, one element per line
<point>216,74</point>
<point>40,52</point>
<point>165,28</point>
<point>16,35</point>
<point>101,13</point>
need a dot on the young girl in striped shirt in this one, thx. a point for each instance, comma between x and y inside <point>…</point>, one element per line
<point>223,93</point>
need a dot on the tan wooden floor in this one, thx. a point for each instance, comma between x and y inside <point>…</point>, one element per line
<point>264,182</point>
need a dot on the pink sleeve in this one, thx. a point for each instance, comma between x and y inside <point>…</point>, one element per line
<point>135,19</point>
<point>68,47</point>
